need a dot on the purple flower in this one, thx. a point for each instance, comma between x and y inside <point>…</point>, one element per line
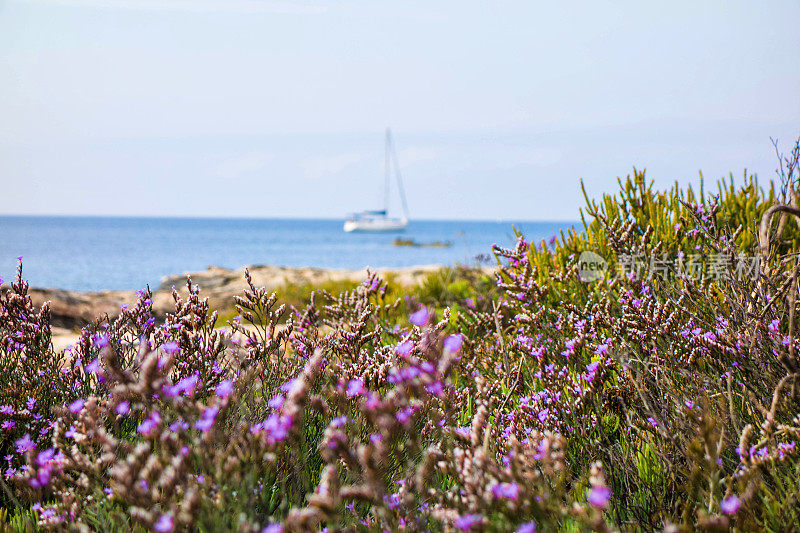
<point>730,504</point>
<point>77,406</point>
<point>355,387</point>
<point>164,524</point>
<point>186,386</point>
<point>273,528</point>
<point>149,424</point>
<point>506,490</point>
<point>452,344</point>
<point>276,402</point>
<point>465,523</point>
<point>286,387</point>
<point>225,388</point>
<point>7,424</point>
<point>689,404</point>
<point>543,414</point>
<point>527,527</point>
<point>653,421</point>
<point>207,419</point>
<point>774,325</point>
<point>404,348</point>
<point>436,388</point>
<point>463,431</point>
<point>421,317</point>
<point>404,415</point>
<point>100,340</point>
<point>123,408</point>
<point>339,421</point>
<point>93,367</point>
<point>31,403</point>
<point>601,350</point>
<point>599,496</point>
<point>45,456</point>
<point>277,427</point>
<point>25,444</point>
<point>6,410</point>
<point>171,347</point>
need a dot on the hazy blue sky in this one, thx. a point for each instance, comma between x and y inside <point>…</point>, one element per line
<point>277,108</point>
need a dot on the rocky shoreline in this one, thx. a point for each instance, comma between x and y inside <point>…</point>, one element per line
<point>72,310</point>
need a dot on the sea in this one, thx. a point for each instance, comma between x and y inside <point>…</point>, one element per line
<point>105,253</point>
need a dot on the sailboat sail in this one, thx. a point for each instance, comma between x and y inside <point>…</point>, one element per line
<point>380,220</point>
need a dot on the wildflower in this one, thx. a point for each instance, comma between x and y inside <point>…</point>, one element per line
<point>569,346</point>
<point>543,414</point>
<point>276,402</point>
<point>404,348</point>
<point>277,427</point>
<point>93,367</point>
<point>186,386</point>
<point>463,431</point>
<point>224,389</point>
<point>207,419</point>
<point>527,527</point>
<point>339,421</point>
<point>8,424</point>
<point>77,406</point>
<point>452,344</point>
<point>273,528</point>
<point>164,524</point>
<point>420,317</point>
<point>149,424</point>
<point>599,496</point>
<point>25,444</point>
<point>404,415</point>
<point>774,325</point>
<point>171,347</point>
<point>730,504</point>
<point>123,408</point>
<point>784,448</point>
<point>6,410</point>
<point>436,388</point>
<point>689,404</point>
<point>601,350</point>
<point>31,404</point>
<point>465,523</point>
<point>506,490</point>
<point>100,340</point>
<point>45,456</point>
<point>355,387</point>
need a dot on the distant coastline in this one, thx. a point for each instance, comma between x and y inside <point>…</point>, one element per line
<point>114,253</point>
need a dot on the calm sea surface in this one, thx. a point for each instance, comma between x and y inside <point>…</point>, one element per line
<point>93,253</point>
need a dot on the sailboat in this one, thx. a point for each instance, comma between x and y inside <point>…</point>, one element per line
<point>380,220</point>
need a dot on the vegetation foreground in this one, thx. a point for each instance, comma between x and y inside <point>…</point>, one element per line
<point>538,402</point>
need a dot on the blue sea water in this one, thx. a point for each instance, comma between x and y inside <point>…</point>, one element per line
<point>98,253</point>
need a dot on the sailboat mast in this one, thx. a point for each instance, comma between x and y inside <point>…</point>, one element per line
<point>400,183</point>
<point>387,172</point>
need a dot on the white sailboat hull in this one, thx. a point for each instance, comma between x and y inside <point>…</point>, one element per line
<point>376,224</point>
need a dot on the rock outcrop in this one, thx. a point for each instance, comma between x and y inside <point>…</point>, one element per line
<point>73,310</point>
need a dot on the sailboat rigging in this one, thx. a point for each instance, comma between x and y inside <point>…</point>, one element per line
<point>379,220</point>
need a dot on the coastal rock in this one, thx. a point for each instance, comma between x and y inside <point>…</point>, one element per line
<point>73,310</point>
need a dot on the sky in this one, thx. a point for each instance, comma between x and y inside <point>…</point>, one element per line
<point>261,108</point>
